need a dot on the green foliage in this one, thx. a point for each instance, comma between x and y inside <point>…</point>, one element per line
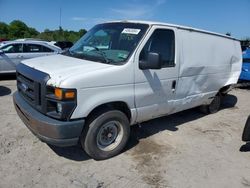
<point>4,30</point>
<point>18,29</point>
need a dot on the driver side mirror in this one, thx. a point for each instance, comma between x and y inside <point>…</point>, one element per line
<point>153,62</point>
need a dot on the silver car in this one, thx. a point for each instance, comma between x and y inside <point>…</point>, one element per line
<point>13,52</point>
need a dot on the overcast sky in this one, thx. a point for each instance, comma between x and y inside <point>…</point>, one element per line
<point>214,15</point>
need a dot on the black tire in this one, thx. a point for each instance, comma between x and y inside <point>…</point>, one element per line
<point>213,107</point>
<point>106,134</point>
<point>246,131</point>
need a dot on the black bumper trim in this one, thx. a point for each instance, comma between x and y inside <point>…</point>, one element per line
<point>49,130</point>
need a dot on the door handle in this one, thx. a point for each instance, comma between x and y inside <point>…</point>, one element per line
<point>173,85</point>
<point>20,56</point>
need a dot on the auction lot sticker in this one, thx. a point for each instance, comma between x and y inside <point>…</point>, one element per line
<point>131,31</point>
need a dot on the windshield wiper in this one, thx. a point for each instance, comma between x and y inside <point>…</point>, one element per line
<point>98,51</point>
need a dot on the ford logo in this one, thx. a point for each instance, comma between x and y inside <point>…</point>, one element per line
<point>24,87</point>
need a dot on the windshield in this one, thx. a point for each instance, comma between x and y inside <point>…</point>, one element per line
<point>109,43</point>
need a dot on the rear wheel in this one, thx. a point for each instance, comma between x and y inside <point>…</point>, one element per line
<point>106,134</point>
<point>213,107</point>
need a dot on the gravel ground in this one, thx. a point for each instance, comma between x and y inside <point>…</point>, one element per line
<point>187,149</point>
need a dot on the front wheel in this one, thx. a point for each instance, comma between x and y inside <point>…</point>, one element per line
<point>106,134</point>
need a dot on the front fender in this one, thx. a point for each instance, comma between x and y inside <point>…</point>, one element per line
<point>90,98</point>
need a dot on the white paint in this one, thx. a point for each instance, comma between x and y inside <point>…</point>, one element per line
<point>204,63</point>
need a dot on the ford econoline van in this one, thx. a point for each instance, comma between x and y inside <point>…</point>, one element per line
<point>122,73</point>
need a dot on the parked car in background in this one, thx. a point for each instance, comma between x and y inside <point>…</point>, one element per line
<point>3,39</point>
<point>13,52</point>
<point>30,39</point>
<point>245,72</point>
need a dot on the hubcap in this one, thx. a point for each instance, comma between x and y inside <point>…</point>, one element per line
<point>109,135</point>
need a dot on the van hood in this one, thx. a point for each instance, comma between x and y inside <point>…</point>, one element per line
<point>62,67</point>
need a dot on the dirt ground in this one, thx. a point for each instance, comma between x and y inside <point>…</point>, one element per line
<point>187,149</point>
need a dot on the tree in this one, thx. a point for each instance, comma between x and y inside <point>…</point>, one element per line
<point>4,30</point>
<point>17,29</point>
<point>82,32</point>
<point>33,32</point>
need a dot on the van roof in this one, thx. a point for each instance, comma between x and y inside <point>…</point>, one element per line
<point>173,25</point>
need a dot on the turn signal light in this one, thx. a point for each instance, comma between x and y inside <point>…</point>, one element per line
<point>64,94</point>
<point>59,93</point>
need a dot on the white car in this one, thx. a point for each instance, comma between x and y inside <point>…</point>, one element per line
<point>13,52</point>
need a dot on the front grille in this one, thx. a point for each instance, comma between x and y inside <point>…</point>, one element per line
<point>29,89</point>
<point>31,84</point>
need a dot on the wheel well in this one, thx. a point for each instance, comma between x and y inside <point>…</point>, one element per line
<point>119,105</point>
<point>224,90</point>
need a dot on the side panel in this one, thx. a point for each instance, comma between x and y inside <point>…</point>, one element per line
<point>208,63</point>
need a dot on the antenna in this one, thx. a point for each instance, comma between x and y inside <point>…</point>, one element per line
<point>60,22</point>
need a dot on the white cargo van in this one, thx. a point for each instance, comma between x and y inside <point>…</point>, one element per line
<point>119,74</point>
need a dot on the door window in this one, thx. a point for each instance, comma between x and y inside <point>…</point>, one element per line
<point>46,49</point>
<point>13,48</point>
<point>162,41</point>
<point>35,48</point>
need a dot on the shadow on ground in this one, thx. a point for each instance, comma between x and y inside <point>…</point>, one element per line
<point>172,122</point>
<point>75,153</point>
<point>228,101</point>
<point>147,129</point>
<point>245,147</point>
<point>4,91</point>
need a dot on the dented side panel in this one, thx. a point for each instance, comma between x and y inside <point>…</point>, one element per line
<point>208,63</point>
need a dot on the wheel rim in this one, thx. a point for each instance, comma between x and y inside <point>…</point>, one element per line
<point>109,136</point>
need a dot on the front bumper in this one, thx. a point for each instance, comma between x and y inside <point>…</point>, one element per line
<point>49,130</point>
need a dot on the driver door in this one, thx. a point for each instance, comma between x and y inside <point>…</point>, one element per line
<point>155,88</point>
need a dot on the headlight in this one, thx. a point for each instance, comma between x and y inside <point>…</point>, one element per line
<point>59,107</point>
<point>60,102</point>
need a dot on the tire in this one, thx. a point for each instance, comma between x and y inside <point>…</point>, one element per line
<point>246,131</point>
<point>106,134</point>
<point>213,107</point>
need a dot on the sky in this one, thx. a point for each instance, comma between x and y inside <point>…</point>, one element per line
<point>219,16</point>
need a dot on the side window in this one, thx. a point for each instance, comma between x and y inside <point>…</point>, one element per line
<point>32,48</point>
<point>46,49</point>
<point>13,48</point>
<point>162,41</point>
